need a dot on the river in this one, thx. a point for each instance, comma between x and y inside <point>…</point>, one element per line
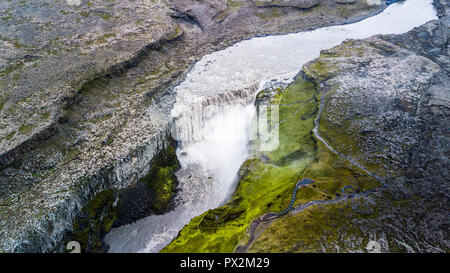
<point>214,111</point>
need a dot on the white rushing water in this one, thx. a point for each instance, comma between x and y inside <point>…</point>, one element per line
<point>214,142</point>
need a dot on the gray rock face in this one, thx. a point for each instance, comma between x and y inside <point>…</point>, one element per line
<point>387,106</point>
<point>85,95</point>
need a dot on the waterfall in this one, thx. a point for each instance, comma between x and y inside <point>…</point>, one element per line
<point>214,109</point>
<point>191,111</point>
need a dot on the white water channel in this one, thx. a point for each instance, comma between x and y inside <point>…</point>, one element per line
<point>214,143</point>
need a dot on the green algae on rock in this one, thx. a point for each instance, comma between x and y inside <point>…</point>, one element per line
<point>162,179</point>
<point>96,220</point>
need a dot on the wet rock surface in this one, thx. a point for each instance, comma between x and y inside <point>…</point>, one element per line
<point>86,94</point>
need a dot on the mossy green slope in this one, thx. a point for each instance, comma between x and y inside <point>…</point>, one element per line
<point>267,185</point>
<point>313,230</point>
<point>162,179</point>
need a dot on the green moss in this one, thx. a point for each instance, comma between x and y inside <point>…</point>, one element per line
<point>269,13</point>
<point>231,6</point>
<point>11,69</point>
<point>17,44</point>
<point>93,207</point>
<point>45,173</point>
<point>110,139</point>
<point>84,13</point>
<point>101,118</point>
<point>102,39</point>
<point>16,76</point>
<point>312,230</point>
<point>99,215</point>
<point>6,18</point>
<point>106,16</point>
<point>2,103</point>
<point>344,12</point>
<point>333,227</point>
<point>10,135</point>
<point>153,75</point>
<point>347,49</point>
<point>45,115</point>
<point>162,179</point>
<point>71,154</point>
<point>319,69</point>
<point>176,33</point>
<point>26,128</point>
<point>234,5</point>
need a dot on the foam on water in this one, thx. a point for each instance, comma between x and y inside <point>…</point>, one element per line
<point>215,145</point>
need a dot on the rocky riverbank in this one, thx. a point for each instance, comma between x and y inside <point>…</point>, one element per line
<point>86,95</point>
